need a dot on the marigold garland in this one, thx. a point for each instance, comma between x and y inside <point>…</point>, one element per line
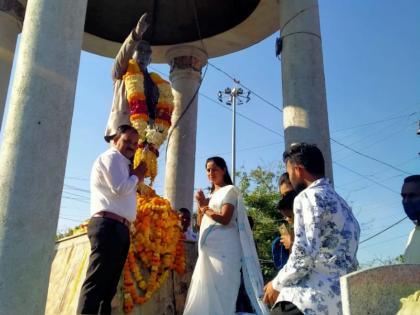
<point>156,248</point>
<point>152,133</point>
<point>157,241</point>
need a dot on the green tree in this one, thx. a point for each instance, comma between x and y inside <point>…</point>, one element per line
<point>259,188</point>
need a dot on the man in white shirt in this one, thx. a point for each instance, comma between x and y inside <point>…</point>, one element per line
<point>410,192</point>
<point>113,186</point>
<point>325,244</point>
<point>185,217</point>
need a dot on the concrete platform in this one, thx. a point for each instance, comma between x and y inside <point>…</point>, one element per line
<point>68,272</point>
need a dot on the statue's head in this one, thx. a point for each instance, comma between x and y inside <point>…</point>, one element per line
<point>143,53</point>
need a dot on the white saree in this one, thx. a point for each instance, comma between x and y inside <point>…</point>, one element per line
<point>223,251</point>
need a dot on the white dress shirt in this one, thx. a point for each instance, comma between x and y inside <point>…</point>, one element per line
<point>112,188</point>
<point>324,249</point>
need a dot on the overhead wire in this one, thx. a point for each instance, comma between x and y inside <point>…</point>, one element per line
<point>247,88</point>
<point>384,241</point>
<point>332,139</point>
<point>175,125</point>
<point>372,123</point>
<point>227,108</point>
<point>369,157</point>
<point>382,231</point>
<point>366,178</point>
<point>375,138</point>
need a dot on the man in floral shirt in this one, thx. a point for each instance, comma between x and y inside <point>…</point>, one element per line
<point>326,241</point>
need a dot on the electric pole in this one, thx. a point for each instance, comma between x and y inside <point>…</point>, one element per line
<point>235,96</point>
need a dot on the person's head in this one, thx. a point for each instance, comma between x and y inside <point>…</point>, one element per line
<point>217,172</point>
<point>304,164</point>
<point>143,54</point>
<point>410,193</point>
<point>284,184</point>
<point>285,206</point>
<point>126,140</point>
<point>185,217</point>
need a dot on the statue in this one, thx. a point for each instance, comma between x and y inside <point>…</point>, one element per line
<point>141,99</point>
<point>133,47</point>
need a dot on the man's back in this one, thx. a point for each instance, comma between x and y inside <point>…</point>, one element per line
<point>326,241</point>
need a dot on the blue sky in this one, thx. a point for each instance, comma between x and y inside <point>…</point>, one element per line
<point>372,71</point>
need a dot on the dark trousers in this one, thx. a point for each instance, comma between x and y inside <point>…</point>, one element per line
<point>285,308</point>
<point>243,304</point>
<point>109,242</point>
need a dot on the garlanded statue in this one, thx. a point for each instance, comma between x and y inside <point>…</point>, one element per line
<point>145,101</point>
<point>141,99</point>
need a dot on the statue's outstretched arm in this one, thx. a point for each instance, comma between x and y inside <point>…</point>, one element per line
<point>128,47</point>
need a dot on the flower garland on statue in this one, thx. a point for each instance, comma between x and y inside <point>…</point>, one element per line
<point>157,246</point>
<point>156,237</point>
<point>152,132</point>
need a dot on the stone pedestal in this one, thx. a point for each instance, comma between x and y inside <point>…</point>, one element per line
<point>68,273</point>
<point>11,18</point>
<point>186,63</point>
<point>34,149</point>
<point>378,290</point>
<point>305,116</point>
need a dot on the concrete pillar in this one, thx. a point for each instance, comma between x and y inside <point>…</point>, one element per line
<point>186,63</point>
<point>34,149</point>
<point>11,18</point>
<point>305,115</point>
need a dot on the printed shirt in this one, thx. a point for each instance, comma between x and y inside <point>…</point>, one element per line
<point>325,246</point>
<point>112,188</point>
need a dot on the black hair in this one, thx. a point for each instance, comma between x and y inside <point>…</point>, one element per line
<point>120,130</point>
<point>286,203</point>
<point>284,179</point>
<point>412,179</point>
<point>220,162</point>
<point>184,210</point>
<point>307,155</point>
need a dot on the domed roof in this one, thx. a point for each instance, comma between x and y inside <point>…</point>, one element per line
<point>224,26</point>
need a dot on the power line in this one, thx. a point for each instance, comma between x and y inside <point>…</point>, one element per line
<point>77,188</point>
<point>243,116</point>
<point>239,114</point>
<point>366,178</point>
<point>247,149</point>
<point>374,122</point>
<point>375,141</point>
<point>335,141</point>
<point>244,86</point>
<point>277,133</point>
<point>68,219</point>
<point>384,230</point>
<point>384,241</point>
<point>369,157</point>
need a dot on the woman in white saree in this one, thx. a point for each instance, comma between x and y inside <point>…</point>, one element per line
<point>225,246</point>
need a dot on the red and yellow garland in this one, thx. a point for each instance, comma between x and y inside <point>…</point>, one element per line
<point>152,133</point>
<point>157,245</point>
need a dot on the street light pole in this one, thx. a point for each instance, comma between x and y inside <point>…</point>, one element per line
<point>234,91</point>
<point>235,97</point>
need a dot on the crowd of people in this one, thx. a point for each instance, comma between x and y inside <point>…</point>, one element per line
<point>318,238</point>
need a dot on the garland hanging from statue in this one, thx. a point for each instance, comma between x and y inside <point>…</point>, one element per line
<point>157,245</point>
<point>152,124</point>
